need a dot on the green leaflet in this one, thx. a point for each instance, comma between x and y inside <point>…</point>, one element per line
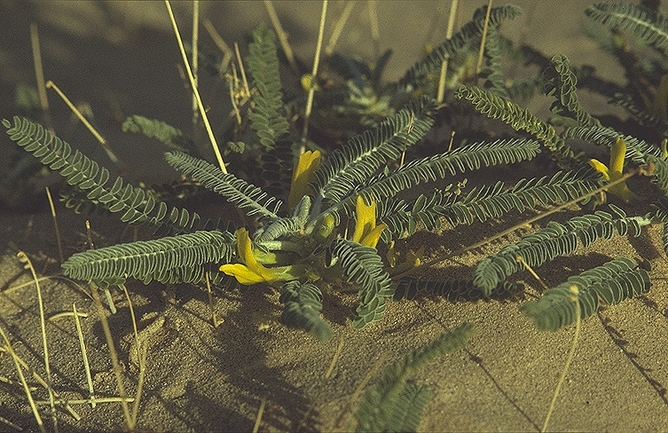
<point>467,34</point>
<point>554,240</point>
<point>302,305</point>
<point>267,115</point>
<point>362,265</point>
<point>376,410</point>
<point>164,133</point>
<point>366,153</point>
<point>642,22</point>
<point>561,83</point>
<point>238,191</point>
<point>168,260</point>
<point>135,204</point>
<point>610,283</point>
<point>519,118</point>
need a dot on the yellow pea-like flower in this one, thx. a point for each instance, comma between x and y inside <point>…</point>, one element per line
<point>250,271</point>
<point>302,175</point>
<point>614,171</point>
<point>366,231</point>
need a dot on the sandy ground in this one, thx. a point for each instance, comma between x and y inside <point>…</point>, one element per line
<point>121,59</point>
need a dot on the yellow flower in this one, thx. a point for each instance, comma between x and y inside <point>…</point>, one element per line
<point>250,271</point>
<point>366,231</point>
<point>302,175</point>
<point>614,172</point>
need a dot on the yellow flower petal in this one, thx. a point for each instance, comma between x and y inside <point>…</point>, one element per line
<point>366,218</point>
<point>617,154</point>
<point>245,251</point>
<point>600,167</point>
<point>241,273</point>
<point>302,175</point>
<point>371,239</point>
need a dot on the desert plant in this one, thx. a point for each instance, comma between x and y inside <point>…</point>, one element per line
<point>301,245</point>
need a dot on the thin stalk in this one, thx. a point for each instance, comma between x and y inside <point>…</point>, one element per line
<point>19,370</point>
<point>61,256</point>
<point>258,417</point>
<point>39,74</point>
<point>220,43</point>
<point>110,153</point>
<point>282,35</point>
<point>483,39</point>
<point>444,65</point>
<point>338,27</point>
<point>193,85</point>
<point>114,356</point>
<point>195,59</point>
<point>571,353</point>
<point>84,355</point>
<point>242,69</point>
<point>45,347</point>
<point>314,74</point>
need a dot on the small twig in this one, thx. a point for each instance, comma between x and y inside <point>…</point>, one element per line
<point>19,370</point>
<point>195,59</point>
<point>116,366</point>
<point>335,358</point>
<point>84,355</point>
<point>242,69</point>
<point>23,257</point>
<point>258,417</point>
<point>521,260</point>
<point>110,153</point>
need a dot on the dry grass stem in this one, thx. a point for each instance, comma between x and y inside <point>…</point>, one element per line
<point>61,256</point>
<point>444,65</point>
<point>118,370</point>
<point>107,148</point>
<point>195,61</point>
<point>338,27</point>
<point>220,43</point>
<point>258,417</point>
<point>483,39</point>
<point>282,35</point>
<point>19,370</point>
<point>45,347</point>
<point>193,85</point>
<point>39,74</point>
<point>314,74</point>
<point>84,355</point>
<point>573,298</point>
